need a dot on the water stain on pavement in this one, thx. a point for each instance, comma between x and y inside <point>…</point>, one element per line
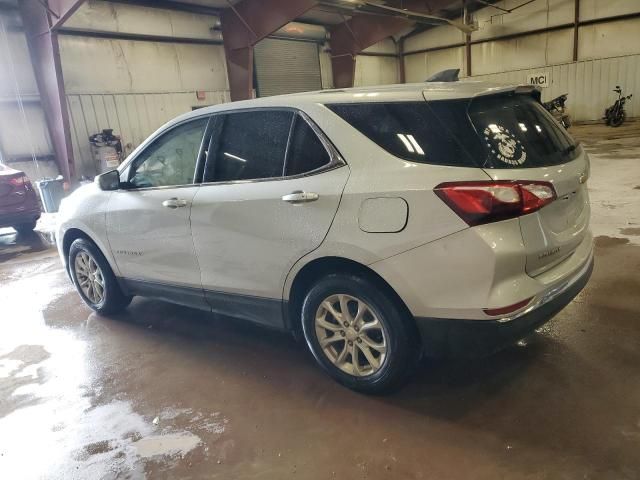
<point>631,231</point>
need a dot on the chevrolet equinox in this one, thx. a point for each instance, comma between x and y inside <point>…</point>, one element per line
<point>379,224</point>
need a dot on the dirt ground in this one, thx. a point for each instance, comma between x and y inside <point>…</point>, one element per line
<point>164,391</point>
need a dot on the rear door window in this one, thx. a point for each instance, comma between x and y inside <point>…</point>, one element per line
<point>306,152</point>
<point>250,145</point>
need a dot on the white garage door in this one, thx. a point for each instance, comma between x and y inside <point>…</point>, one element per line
<point>286,66</point>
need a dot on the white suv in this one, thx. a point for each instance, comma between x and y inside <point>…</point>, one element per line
<point>379,223</point>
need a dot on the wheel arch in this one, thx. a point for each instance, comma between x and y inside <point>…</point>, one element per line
<point>319,267</point>
<point>74,233</point>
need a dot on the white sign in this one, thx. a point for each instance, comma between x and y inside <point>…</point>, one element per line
<point>540,79</point>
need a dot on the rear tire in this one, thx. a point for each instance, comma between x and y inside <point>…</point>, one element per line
<point>94,279</point>
<point>618,120</point>
<point>375,329</point>
<point>26,227</point>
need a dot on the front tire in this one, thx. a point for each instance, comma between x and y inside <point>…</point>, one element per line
<point>94,279</point>
<point>358,334</point>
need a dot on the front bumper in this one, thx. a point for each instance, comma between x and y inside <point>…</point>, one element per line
<point>476,338</point>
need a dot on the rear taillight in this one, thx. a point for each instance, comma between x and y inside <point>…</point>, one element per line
<point>484,202</point>
<point>20,181</point>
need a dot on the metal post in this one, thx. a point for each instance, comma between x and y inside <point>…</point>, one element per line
<point>467,40</point>
<point>576,27</point>
<point>401,66</point>
<point>40,28</point>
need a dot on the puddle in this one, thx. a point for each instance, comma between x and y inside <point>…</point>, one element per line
<point>635,231</point>
<point>610,241</point>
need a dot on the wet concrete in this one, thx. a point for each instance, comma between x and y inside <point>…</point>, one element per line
<point>164,391</point>
<point>615,176</point>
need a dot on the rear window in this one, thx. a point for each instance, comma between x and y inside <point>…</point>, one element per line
<point>517,132</point>
<point>507,131</point>
<point>413,130</point>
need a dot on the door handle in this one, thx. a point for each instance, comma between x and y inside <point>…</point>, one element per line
<point>174,203</point>
<point>300,197</point>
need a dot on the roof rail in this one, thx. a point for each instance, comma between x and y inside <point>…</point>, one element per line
<point>450,75</point>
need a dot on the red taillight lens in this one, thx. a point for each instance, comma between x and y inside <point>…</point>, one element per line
<point>484,202</point>
<point>19,181</point>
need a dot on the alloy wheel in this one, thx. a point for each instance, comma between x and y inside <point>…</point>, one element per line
<point>351,335</point>
<point>89,277</point>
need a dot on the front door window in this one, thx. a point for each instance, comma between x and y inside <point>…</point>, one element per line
<point>171,159</point>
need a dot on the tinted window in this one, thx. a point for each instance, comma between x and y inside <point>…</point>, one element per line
<point>171,159</point>
<point>413,130</point>
<point>306,151</point>
<point>505,131</point>
<point>251,145</point>
<point>517,132</point>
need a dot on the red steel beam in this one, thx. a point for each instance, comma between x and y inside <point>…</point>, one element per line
<point>40,24</point>
<point>62,9</point>
<point>245,24</point>
<point>352,36</point>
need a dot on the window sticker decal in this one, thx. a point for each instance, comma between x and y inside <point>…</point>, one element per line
<point>504,145</point>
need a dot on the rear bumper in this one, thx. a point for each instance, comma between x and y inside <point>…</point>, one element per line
<point>474,338</point>
<point>9,219</point>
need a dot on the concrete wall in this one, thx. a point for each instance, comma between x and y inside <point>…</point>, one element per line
<point>607,52</point>
<point>136,86</point>
<point>23,130</point>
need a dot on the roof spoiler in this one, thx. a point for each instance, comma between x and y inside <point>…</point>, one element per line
<point>532,90</point>
<point>450,75</point>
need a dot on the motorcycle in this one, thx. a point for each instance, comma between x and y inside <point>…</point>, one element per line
<point>615,115</point>
<point>558,109</point>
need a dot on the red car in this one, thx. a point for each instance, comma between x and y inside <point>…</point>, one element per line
<point>19,203</point>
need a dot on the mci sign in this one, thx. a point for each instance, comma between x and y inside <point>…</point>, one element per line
<point>539,79</point>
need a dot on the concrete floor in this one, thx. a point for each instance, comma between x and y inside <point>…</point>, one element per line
<point>168,392</point>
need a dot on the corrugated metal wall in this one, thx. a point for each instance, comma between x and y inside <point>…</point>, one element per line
<point>420,66</point>
<point>608,52</point>
<point>134,87</point>
<point>370,70</point>
<point>589,84</point>
<point>375,71</point>
<point>23,130</point>
<point>132,116</point>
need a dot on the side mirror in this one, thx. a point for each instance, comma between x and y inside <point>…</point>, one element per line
<point>109,180</point>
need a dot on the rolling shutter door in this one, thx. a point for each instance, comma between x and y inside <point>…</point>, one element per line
<point>286,66</point>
